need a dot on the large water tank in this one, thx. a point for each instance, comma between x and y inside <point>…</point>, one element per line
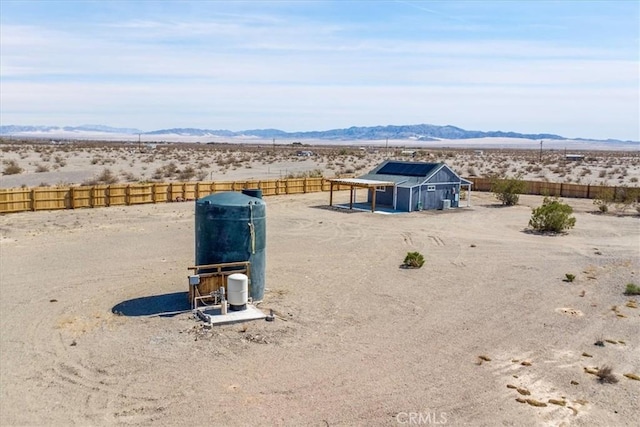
<point>231,227</point>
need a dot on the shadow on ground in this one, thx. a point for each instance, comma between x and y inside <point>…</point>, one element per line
<point>165,305</point>
<point>336,209</point>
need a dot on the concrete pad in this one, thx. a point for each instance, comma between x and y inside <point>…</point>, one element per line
<point>251,313</point>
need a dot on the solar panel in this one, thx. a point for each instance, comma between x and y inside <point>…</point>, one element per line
<point>407,169</point>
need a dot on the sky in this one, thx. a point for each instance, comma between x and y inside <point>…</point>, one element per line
<point>565,67</point>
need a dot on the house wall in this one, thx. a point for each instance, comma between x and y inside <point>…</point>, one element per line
<point>433,199</point>
<point>402,201</point>
<point>382,197</point>
<point>447,185</point>
<point>444,175</point>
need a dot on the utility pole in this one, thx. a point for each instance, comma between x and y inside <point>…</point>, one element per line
<point>540,150</point>
<point>386,148</point>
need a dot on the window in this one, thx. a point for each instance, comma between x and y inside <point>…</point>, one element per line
<point>431,188</point>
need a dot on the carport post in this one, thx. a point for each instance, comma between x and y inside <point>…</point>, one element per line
<point>373,199</point>
<point>351,197</point>
<point>330,193</point>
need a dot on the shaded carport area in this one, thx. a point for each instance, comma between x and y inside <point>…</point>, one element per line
<point>354,183</point>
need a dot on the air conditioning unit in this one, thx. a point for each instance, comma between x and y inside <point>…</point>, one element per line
<point>446,204</point>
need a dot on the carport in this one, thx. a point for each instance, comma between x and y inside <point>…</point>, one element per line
<point>354,183</point>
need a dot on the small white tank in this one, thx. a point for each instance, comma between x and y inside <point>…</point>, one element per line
<point>237,291</point>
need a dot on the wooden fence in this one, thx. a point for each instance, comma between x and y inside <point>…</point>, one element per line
<point>49,198</point>
<point>559,189</point>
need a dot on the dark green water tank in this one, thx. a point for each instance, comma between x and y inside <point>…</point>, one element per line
<point>231,227</point>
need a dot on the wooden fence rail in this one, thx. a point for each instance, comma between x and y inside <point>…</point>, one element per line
<point>49,198</point>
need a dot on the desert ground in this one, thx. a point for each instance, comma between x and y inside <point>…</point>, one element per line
<point>357,340</point>
<point>96,328</point>
<point>30,163</point>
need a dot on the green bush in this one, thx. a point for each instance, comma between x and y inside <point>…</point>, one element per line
<point>413,260</point>
<point>632,289</point>
<point>570,277</point>
<point>508,190</point>
<point>605,198</point>
<point>552,216</point>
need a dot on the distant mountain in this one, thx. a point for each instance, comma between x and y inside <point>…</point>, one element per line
<point>191,132</point>
<point>101,128</point>
<point>421,132</point>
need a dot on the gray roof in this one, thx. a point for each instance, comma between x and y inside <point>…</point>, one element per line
<point>406,174</point>
<point>400,181</point>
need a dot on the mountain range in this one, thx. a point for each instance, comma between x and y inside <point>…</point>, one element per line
<point>420,132</point>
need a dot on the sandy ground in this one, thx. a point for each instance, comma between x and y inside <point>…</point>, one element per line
<point>358,340</point>
<point>83,163</point>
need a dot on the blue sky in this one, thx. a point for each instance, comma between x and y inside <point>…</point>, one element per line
<point>564,67</point>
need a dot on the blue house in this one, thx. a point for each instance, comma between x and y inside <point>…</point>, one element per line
<point>410,186</point>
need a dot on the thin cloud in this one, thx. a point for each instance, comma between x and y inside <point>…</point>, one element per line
<point>300,66</point>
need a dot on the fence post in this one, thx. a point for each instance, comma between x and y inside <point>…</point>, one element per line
<point>72,197</point>
<point>588,191</point>
<point>127,195</point>
<point>304,185</point>
<point>561,190</point>
<point>33,199</point>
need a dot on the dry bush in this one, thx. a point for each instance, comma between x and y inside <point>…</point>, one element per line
<point>60,161</point>
<point>605,375</point>
<point>187,173</point>
<point>105,177</point>
<point>41,168</point>
<point>128,176</point>
<point>11,168</point>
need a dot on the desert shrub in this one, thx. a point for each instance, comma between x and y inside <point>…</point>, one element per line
<point>187,173</point>
<point>413,260</point>
<point>11,168</point>
<point>632,289</point>
<point>552,216</point>
<point>60,161</point>
<point>626,197</point>
<point>105,177</point>
<point>605,375</point>
<point>128,176</point>
<point>604,199</point>
<point>201,175</point>
<point>169,170</point>
<point>42,168</point>
<point>508,190</point>
<point>570,277</point>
